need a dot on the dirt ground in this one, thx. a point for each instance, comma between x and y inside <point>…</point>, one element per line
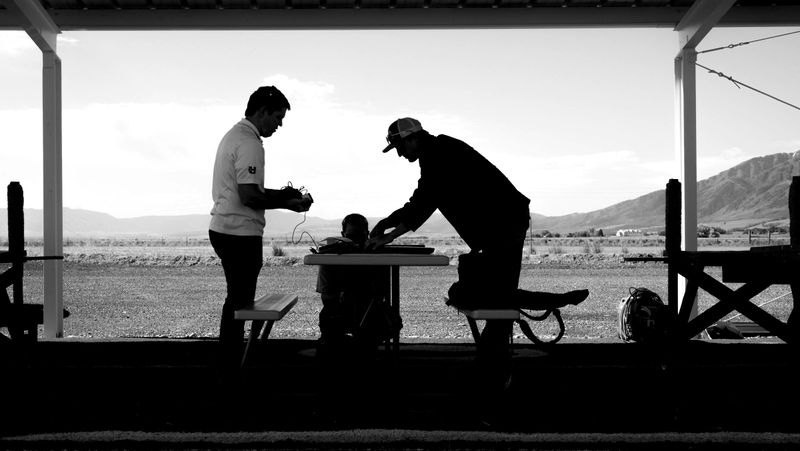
<point>165,298</point>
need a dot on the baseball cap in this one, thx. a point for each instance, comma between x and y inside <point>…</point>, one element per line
<point>400,129</point>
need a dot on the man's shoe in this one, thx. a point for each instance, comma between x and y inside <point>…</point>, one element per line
<point>575,297</point>
<point>540,300</point>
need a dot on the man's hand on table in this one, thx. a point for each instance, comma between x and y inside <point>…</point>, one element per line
<point>378,241</point>
<point>378,237</point>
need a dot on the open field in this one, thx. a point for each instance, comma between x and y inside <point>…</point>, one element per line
<point>174,291</point>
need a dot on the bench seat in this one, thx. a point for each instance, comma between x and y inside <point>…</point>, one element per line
<point>270,307</point>
<point>484,313</point>
<point>266,309</point>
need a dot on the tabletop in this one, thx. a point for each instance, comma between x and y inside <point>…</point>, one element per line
<point>358,259</point>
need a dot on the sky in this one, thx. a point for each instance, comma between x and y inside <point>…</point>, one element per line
<point>578,119</point>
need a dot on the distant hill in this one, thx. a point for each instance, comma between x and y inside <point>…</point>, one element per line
<point>86,223</point>
<point>748,194</point>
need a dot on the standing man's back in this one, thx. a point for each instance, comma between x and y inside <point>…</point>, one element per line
<point>239,155</point>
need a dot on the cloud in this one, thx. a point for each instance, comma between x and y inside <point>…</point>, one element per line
<point>14,43</point>
<point>67,41</point>
<point>560,184</point>
<point>134,159</point>
<point>144,159</point>
<point>300,92</point>
<point>709,165</point>
<point>21,155</point>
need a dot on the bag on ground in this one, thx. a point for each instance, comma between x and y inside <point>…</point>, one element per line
<point>643,317</point>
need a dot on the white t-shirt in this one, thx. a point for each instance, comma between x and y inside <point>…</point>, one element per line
<point>240,160</point>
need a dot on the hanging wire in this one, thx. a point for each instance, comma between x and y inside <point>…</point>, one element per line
<point>730,46</point>
<point>303,233</point>
<point>761,305</point>
<point>739,85</point>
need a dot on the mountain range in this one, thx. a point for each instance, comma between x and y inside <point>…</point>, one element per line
<point>751,193</point>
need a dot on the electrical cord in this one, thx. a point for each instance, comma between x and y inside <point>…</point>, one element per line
<point>303,233</point>
<point>302,190</point>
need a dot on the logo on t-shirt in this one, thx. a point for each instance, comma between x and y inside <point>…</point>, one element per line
<point>251,169</point>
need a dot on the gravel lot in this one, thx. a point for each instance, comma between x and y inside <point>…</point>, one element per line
<point>172,292</point>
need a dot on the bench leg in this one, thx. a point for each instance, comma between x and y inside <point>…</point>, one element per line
<point>255,331</point>
<point>267,331</point>
<point>473,326</point>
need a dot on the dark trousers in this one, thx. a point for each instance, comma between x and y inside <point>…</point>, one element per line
<point>506,261</point>
<point>494,347</point>
<point>242,258</point>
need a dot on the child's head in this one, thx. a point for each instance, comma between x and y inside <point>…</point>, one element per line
<point>355,228</point>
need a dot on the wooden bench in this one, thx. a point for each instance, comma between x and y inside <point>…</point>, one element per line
<point>548,303</point>
<point>266,309</point>
<point>473,316</point>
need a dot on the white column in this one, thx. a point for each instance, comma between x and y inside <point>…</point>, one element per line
<point>698,21</point>
<point>43,31</point>
<point>53,222</point>
<point>686,143</point>
<point>686,155</point>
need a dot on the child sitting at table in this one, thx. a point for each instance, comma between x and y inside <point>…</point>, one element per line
<point>355,309</point>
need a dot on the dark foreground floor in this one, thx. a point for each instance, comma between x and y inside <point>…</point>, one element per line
<point>97,393</point>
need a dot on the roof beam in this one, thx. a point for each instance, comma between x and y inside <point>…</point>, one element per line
<point>699,20</point>
<point>36,22</point>
<point>430,14</point>
<point>361,18</point>
<point>766,16</point>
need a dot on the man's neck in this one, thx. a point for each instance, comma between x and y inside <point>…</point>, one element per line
<point>424,142</point>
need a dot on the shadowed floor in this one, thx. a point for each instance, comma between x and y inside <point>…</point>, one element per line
<point>163,387</point>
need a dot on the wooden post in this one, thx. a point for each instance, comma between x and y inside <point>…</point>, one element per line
<point>794,236</point>
<point>16,236</point>
<point>794,213</point>
<point>672,240</point>
<point>530,235</point>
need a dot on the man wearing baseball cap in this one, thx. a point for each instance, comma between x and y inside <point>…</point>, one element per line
<point>484,207</point>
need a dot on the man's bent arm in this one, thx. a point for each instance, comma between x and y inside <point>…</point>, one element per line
<point>269,199</point>
<point>378,238</point>
<point>399,230</point>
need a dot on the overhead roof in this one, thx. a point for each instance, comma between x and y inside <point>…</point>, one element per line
<point>388,14</point>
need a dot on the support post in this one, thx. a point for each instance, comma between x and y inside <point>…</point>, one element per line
<point>672,241</point>
<point>53,220</point>
<point>43,31</point>
<point>692,28</point>
<point>16,237</point>
<point>686,156</point>
<point>794,213</point>
<point>794,236</point>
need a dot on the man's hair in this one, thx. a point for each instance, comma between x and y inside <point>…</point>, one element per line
<point>269,97</point>
<point>355,219</point>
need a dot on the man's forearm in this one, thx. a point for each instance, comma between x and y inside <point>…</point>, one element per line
<point>269,199</point>
<point>398,231</point>
<point>274,198</point>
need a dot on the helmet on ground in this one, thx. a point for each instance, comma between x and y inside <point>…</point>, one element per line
<point>643,317</point>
